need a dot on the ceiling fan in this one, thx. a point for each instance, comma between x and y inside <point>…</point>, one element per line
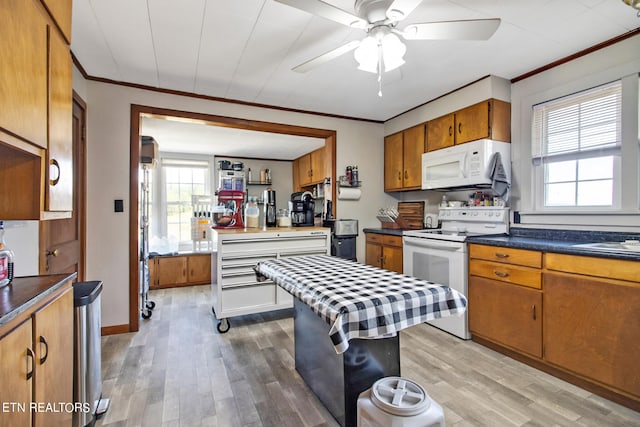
<point>383,45</point>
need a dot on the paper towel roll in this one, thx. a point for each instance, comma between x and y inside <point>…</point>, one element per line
<point>346,193</point>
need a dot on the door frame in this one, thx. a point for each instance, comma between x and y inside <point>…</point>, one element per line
<point>139,111</point>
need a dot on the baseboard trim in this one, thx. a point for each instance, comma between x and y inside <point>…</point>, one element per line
<point>115,329</point>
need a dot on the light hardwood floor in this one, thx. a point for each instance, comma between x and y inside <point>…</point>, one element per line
<point>178,371</point>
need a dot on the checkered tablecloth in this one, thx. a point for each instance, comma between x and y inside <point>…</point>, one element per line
<point>361,301</point>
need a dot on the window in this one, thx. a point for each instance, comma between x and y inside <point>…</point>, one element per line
<point>576,142</point>
<point>182,179</point>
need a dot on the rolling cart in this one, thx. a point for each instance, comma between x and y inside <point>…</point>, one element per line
<point>146,306</point>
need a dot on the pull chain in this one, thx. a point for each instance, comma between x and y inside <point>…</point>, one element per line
<point>380,69</point>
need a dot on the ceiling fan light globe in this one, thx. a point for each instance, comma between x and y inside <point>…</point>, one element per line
<point>393,51</point>
<point>367,55</point>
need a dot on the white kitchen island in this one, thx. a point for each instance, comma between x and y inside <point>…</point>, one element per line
<point>236,292</point>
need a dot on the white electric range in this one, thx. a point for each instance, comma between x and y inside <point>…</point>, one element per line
<point>440,255</point>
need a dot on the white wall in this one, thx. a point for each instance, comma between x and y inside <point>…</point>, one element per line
<point>621,60</point>
<point>108,110</point>
<point>22,237</point>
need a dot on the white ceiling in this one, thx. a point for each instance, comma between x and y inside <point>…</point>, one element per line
<point>244,49</point>
<point>178,136</point>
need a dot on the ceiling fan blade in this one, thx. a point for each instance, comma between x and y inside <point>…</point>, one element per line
<point>400,9</point>
<point>326,57</point>
<point>474,29</point>
<point>325,10</point>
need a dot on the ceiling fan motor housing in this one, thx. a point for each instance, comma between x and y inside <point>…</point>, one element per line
<point>372,10</point>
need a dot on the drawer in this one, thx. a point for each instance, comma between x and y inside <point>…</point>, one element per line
<point>272,245</point>
<point>506,255</point>
<point>592,266</point>
<point>374,237</point>
<point>392,240</point>
<point>248,297</point>
<point>515,274</point>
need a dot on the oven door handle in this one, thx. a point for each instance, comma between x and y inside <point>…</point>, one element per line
<point>433,244</point>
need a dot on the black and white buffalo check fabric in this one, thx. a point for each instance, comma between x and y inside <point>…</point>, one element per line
<point>361,301</point>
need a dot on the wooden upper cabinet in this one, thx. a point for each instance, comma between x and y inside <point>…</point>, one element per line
<point>393,159</point>
<point>403,159</point>
<point>304,170</point>
<point>413,148</point>
<point>487,119</point>
<point>60,11</point>
<point>317,163</point>
<point>60,149</point>
<point>23,86</point>
<point>440,132</point>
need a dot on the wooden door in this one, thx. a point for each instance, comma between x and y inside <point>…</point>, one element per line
<point>304,170</point>
<point>23,86</point>
<point>14,369</point>
<point>317,160</point>
<point>472,123</point>
<point>53,348</point>
<point>440,132</point>
<point>373,254</point>
<point>60,147</point>
<point>592,328</point>
<point>507,314</point>
<point>392,258</point>
<point>412,150</point>
<point>199,269</point>
<point>62,240</point>
<point>393,168</point>
<point>172,271</point>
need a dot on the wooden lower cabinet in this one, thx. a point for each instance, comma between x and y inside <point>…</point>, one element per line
<point>180,270</point>
<point>505,313</point>
<point>15,373</point>
<point>384,251</point>
<point>37,366</point>
<point>592,328</point>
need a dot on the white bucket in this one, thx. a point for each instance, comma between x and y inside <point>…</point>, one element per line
<point>398,402</point>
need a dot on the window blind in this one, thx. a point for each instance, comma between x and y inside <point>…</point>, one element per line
<point>582,125</point>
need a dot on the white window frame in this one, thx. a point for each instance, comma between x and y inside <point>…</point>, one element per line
<point>160,208</point>
<point>540,158</point>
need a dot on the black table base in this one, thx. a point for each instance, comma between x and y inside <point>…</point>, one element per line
<point>338,379</point>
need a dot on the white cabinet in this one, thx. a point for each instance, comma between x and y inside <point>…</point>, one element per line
<point>236,291</point>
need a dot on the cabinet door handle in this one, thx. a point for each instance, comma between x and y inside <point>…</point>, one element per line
<point>459,127</point>
<point>30,356</point>
<point>450,130</point>
<point>533,311</point>
<point>42,340</point>
<point>406,175</point>
<point>54,181</point>
<point>498,255</point>
<point>399,175</point>
<point>500,274</point>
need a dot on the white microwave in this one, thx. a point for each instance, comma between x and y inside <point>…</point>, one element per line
<point>463,166</point>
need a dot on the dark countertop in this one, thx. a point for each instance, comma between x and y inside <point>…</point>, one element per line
<point>389,231</point>
<point>25,292</point>
<point>560,241</point>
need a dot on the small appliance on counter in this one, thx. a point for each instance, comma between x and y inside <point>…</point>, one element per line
<point>343,237</point>
<point>302,208</point>
<point>228,212</point>
<point>269,197</point>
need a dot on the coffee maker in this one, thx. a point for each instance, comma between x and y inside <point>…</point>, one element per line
<point>228,213</point>
<point>302,208</point>
<point>269,197</point>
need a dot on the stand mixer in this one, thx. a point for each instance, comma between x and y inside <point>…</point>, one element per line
<point>228,213</point>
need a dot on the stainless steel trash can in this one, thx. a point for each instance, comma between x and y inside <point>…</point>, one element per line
<point>87,382</point>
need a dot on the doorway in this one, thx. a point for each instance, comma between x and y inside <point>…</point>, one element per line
<point>140,111</point>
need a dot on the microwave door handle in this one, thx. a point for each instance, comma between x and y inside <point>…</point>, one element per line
<point>463,165</point>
